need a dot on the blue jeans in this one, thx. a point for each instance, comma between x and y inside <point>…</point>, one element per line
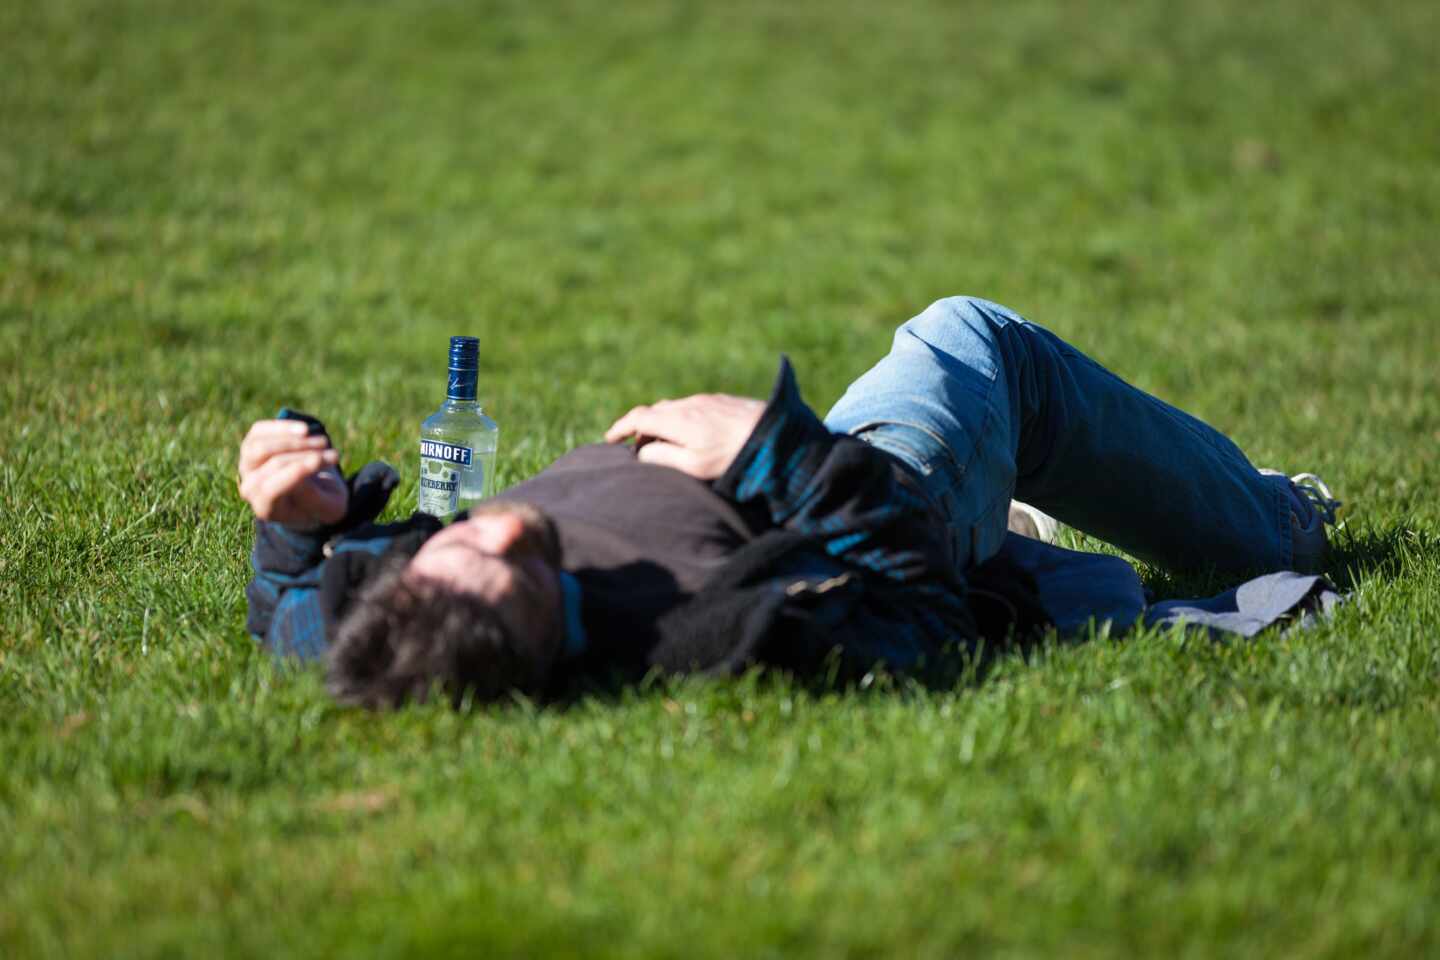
<point>985,406</point>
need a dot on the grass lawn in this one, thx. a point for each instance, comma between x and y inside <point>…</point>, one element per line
<point>208,210</point>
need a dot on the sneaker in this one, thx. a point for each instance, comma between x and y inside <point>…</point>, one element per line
<point>1312,508</point>
<point>1030,522</point>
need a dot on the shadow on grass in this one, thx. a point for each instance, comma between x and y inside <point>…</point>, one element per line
<point>966,669</point>
<point>1355,556</point>
<point>1378,554</point>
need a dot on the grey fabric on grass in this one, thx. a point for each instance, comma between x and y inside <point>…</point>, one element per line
<point>1252,606</point>
<point>1076,588</point>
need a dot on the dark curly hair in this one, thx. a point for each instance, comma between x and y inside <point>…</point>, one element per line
<point>402,641</point>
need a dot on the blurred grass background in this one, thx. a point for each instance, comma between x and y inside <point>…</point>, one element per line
<point>210,210</point>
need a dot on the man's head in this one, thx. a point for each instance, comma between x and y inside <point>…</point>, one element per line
<point>477,610</point>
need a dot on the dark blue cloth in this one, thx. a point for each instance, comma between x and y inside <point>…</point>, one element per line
<point>1077,588</point>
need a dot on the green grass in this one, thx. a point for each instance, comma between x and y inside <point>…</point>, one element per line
<point>210,210</point>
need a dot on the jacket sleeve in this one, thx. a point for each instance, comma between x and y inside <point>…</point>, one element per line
<point>284,593</point>
<point>908,606</point>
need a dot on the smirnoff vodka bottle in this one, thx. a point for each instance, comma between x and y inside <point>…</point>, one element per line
<point>457,442</point>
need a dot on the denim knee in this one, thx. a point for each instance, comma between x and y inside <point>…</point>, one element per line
<point>966,331</point>
<point>976,311</point>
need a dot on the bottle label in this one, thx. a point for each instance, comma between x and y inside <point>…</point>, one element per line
<point>440,465</point>
<point>446,452</point>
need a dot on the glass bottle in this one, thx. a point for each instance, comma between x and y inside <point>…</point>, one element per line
<point>458,441</point>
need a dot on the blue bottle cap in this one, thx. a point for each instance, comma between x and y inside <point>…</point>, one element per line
<point>464,353</point>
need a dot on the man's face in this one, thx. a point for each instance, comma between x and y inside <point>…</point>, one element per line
<point>506,554</point>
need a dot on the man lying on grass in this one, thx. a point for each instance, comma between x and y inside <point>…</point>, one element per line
<point>735,531</point>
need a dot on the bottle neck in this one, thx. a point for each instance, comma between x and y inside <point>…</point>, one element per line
<point>461,386</point>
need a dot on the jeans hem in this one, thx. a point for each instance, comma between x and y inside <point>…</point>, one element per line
<point>1287,531</point>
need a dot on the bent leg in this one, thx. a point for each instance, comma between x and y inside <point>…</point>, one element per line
<point>985,406</point>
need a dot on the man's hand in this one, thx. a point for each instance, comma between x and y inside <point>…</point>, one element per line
<point>699,435</point>
<point>290,477</point>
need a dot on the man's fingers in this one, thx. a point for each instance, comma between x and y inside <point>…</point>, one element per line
<point>258,486</point>
<point>268,438</point>
<point>328,481</point>
<point>656,420</point>
<point>664,454</point>
<point>261,428</point>
<point>254,454</point>
<point>288,477</point>
<point>625,426</point>
<point>281,475</point>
